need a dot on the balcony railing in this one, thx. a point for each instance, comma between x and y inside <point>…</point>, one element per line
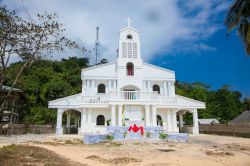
<point>128,96</point>
<point>132,96</point>
<point>97,99</point>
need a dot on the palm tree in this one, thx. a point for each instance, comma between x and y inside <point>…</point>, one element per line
<point>239,16</point>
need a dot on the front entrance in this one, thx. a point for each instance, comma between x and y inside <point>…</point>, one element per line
<point>133,115</point>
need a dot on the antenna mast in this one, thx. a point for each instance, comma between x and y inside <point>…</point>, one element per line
<point>97,45</point>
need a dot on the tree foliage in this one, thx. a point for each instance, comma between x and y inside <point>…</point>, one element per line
<point>29,40</point>
<point>222,104</point>
<point>239,16</point>
<point>47,80</point>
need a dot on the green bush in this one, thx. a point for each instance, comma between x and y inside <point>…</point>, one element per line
<point>163,136</point>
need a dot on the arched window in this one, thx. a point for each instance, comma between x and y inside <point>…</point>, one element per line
<point>159,120</point>
<point>100,120</point>
<point>129,36</point>
<point>130,69</point>
<point>156,88</point>
<point>101,88</point>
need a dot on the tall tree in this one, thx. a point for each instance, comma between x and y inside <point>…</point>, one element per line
<point>28,40</point>
<point>239,16</point>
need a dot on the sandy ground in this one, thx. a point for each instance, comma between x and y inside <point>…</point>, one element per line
<point>204,150</point>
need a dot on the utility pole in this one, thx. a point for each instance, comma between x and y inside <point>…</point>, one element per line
<point>97,46</point>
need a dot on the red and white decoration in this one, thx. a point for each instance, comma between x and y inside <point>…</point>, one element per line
<point>136,129</point>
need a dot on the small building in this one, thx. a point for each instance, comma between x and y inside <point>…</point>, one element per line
<point>125,92</point>
<point>244,117</point>
<point>15,106</point>
<point>208,121</point>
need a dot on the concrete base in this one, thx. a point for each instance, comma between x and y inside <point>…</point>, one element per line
<point>59,131</point>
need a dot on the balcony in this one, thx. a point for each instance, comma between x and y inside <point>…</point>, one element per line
<point>132,96</point>
<point>129,96</point>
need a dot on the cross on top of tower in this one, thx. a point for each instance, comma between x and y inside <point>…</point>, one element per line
<point>129,21</point>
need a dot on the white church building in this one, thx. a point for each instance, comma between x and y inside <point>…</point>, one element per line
<point>125,92</point>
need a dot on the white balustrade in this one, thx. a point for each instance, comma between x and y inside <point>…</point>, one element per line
<point>132,96</point>
<point>128,96</point>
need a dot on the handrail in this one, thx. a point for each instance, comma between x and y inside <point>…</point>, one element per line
<point>132,96</point>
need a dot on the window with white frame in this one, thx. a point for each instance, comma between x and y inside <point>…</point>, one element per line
<point>124,50</point>
<point>129,50</point>
<point>134,50</point>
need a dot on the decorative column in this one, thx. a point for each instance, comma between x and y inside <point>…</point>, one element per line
<point>93,87</point>
<point>89,119</point>
<point>88,87</point>
<point>169,88</point>
<point>68,122</point>
<point>175,128</point>
<point>59,129</point>
<point>144,86</point>
<point>114,85</point>
<point>181,120</point>
<point>149,87</point>
<point>154,120</point>
<point>147,115</point>
<point>195,122</point>
<point>83,120</point>
<point>110,89</point>
<point>120,115</point>
<point>169,122</point>
<point>165,88</point>
<point>113,115</point>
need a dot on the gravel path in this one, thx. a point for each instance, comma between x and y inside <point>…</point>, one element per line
<point>14,139</point>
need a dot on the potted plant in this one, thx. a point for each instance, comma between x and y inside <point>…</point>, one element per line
<point>108,122</point>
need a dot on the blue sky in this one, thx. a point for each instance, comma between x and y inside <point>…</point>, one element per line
<point>227,65</point>
<point>186,36</point>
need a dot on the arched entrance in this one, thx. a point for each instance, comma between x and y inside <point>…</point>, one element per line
<point>188,121</point>
<point>71,121</point>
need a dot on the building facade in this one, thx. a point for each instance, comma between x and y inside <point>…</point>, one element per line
<point>125,92</point>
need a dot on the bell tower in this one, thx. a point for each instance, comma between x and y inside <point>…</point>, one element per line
<point>129,62</point>
<point>129,43</point>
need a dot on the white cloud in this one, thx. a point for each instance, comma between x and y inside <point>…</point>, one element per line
<point>164,25</point>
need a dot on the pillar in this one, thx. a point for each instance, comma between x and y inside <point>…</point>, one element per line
<point>165,88</point>
<point>120,115</point>
<point>149,87</point>
<point>89,119</point>
<point>174,127</point>
<point>113,115</point>
<point>59,130</point>
<point>169,121</point>
<point>147,115</point>
<point>114,85</point>
<point>181,119</point>
<point>154,120</point>
<point>68,122</point>
<point>144,86</point>
<point>169,88</point>
<point>93,87</point>
<point>88,87</point>
<point>83,120</point>
<point>110,89</point>
<point>195,122</point>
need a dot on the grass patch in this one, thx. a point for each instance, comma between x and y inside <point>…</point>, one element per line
<point>137,143</point>
<point>166,150</point>
<point>74,141</point>
<point>213,153</point>
<point>115,161</point>
<point>30,155</point>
